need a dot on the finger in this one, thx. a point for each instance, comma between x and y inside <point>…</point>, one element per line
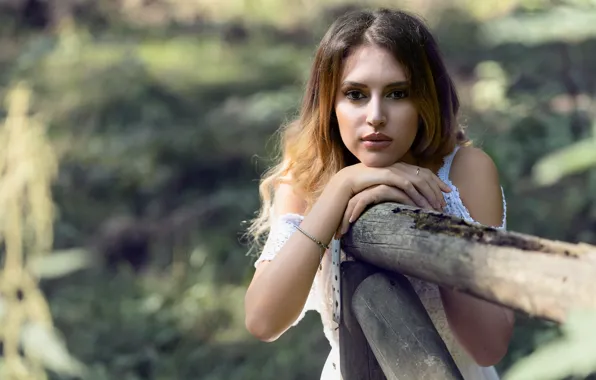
<point>435,184</point>
<point>415,170</point>
<point>439,182</point>
<point>423,185</point>
<point>403,198</point>
<point>400,196</point>
<point>413,192</point>
<point>444,187</point>
<point>432,175</point>
<point>431,179</point>
<point>344,225</point>
<point>393,194</point>
<point>360,207</point>
<point>381,193</point>
<point>345,222</point>
<point>397,178</point>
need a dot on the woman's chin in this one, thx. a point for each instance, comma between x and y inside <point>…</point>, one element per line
<point>377,161</point>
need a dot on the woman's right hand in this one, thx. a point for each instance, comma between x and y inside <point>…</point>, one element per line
<point>421,185</point>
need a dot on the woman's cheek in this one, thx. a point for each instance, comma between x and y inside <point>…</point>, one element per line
<point>349,119</point>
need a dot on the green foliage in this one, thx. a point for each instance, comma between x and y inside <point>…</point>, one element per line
<point>162,328</point>
<point>575,158</point>
<point>572,354</point>
<point>153,118</point>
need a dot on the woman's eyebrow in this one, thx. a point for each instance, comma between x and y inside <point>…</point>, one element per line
<point>392,84</point>
<point>403,83</point>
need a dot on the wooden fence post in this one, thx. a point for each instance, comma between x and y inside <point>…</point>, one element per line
<point>357,361</point>
<point>400,333</point>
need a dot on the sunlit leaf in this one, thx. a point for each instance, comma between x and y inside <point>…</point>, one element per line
<point>60,263</point>
<point>45,345</point>
<point>572,25</point>
<point>573,354</point>
<point>569,160</point>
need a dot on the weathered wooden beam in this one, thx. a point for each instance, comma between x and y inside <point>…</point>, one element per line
<point>401,334</point>
<point>543,278</point>
<point>357,361</point>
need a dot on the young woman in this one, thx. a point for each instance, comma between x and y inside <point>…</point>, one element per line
<point>377,124</point>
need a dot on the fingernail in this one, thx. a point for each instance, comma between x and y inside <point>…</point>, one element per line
<point>350,221</point>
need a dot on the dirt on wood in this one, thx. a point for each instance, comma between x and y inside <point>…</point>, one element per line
<point>445,224</point>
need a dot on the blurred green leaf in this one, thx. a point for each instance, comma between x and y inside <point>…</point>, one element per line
<point>46,346</point>
<point>573,354</point>
<point>164,106</point>
<point>60,263</point>
<point>569,160</point>
<point>573,25</point>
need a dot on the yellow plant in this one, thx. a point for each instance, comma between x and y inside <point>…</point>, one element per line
<point>27,168</point>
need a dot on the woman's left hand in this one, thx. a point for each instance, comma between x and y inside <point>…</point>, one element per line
<point>370,196</point>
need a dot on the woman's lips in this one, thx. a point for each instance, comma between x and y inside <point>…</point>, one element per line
<point>376,141</point>
<point>376,144</point>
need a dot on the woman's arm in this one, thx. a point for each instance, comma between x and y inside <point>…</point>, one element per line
<point>484,329</point>
<point>280,287</point>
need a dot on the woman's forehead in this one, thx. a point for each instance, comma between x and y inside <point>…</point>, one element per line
<point>372,65</point>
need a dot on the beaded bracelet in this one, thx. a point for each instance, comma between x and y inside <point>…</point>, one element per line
<point>318,242</point>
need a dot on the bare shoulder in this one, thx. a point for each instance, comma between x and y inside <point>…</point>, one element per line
<point>476,160</point>
<point>476,176</point>
<point>287,201</point>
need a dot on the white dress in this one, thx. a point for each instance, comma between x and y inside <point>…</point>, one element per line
<point>321,299</point>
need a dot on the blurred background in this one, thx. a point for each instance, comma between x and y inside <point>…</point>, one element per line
<point>159,117</point>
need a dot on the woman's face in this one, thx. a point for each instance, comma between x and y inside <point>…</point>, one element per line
<point>377,119</point>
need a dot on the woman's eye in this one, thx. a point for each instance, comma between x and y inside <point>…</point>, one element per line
<point>398,94</point>
<point>354,95</point>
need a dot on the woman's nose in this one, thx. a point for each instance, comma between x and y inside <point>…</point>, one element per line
<point>376,116</point>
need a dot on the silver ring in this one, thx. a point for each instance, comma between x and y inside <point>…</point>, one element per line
<point>417,171</point>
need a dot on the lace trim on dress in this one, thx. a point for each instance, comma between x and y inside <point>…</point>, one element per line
<point>455,206</point>
<point>281,231</point>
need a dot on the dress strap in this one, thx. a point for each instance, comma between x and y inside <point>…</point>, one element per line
<point>446,168</point>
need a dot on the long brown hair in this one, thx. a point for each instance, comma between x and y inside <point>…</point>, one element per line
<point>311,147</point>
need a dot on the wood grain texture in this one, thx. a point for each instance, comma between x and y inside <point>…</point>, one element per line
<point>357,360</point>
<point>399,331</point>
<point>546,279</point>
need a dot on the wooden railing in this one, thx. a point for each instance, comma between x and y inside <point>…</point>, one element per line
<point>385,332</point>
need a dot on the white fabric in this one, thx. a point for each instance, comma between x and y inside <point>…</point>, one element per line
<point>321,299</point>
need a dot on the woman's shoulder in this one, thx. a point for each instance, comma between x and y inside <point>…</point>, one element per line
<point>466,159</point>
<point>470,159</point>
<point>287,200</point>
<point>475,175</point>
